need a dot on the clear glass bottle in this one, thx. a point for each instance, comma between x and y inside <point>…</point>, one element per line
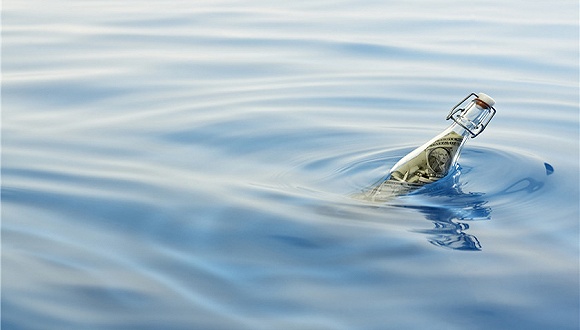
<point>434,160</point>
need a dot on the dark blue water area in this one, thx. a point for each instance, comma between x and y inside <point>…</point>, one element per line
<point>179,166</point>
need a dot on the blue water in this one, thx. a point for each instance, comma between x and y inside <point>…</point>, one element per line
<point>192,165</point>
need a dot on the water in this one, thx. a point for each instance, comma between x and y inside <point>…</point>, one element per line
<point>180,165</point>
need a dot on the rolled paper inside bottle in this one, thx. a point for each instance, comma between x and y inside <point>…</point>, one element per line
<point>430,165</point>
<point>433,162</point>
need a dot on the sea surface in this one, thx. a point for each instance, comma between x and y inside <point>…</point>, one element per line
<point>195,165</point>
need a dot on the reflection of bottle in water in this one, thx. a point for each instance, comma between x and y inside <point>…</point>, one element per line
<point>434,159</point>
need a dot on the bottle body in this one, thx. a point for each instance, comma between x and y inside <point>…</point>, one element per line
<point>433,160</point>
<point>436,158</point>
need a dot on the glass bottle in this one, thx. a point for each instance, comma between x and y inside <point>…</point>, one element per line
<point>434,160</point>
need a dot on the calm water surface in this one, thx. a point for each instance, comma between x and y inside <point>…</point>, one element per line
<point>191,165</point>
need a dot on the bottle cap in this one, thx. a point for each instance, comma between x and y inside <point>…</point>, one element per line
<point>486,98</point>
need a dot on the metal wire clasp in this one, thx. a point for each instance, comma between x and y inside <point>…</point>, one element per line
<point>457,112</point>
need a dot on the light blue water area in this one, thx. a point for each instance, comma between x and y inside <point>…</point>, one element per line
<point>192,165</point>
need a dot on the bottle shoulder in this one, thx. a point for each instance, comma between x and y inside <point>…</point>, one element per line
<point>432,160</point>
<point>453,134</point>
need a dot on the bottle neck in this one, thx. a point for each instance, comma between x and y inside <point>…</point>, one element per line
<point>471,119</point>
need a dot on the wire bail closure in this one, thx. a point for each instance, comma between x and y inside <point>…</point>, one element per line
<point>457,112</point>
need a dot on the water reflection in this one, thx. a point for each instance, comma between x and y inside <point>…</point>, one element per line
<point>448,231</point>
<point>450,209</point>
